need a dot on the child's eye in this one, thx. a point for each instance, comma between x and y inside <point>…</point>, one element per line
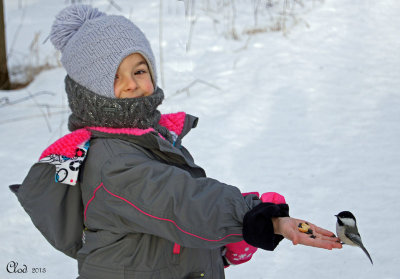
<point>116,77</point>
<point>140,72</point>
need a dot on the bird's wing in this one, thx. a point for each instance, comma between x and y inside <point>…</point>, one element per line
<point>353,235</point>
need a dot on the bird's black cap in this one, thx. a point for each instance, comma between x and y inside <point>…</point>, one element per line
<point>346,214</point>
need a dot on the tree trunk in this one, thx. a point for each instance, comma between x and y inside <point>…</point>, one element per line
<point>4,78</point>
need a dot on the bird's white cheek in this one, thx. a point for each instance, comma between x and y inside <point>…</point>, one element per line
<point>348,222</point>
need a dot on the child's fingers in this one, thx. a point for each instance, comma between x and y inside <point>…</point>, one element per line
<point>319,230</point>
<point>318,242</point>
<point>324,232</point>
<point>327,238</point>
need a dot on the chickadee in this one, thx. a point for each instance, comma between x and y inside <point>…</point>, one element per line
<point>346,229</point>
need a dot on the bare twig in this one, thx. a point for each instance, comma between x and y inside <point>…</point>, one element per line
<point>192,20</point>
<point>244,47</point>
<point>28,117</point>
<point>34,48</point>
<point>256,10</point>
<point>234,13</point>
<point>5,101</point>
<point>115,5</point>
<point>130,14</point>
<point>187,88</point>
<point>45,116</point>
<point>160,41</point>
<point>11,49</point>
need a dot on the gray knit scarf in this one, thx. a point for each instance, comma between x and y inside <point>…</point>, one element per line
<point>90,109</point>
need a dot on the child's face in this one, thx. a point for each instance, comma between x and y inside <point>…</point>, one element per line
<point>133,78</point>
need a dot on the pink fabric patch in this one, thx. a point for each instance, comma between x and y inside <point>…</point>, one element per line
<point>251,193</point>
<point>66,145</point>
<point>173,121</point>
<point>273,198</point>
<point>239,252</point>
<point>177,249</point>
<point>128,131</point>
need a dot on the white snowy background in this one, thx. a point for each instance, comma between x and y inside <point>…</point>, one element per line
<point>311,112</point>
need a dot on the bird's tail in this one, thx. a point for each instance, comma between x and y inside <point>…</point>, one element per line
<point>366,252</point>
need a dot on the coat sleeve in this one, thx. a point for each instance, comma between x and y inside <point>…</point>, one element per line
<point>148,196</point>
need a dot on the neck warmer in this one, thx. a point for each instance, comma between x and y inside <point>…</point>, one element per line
<point>93,110</point>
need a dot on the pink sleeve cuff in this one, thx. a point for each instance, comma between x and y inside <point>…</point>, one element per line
<point>273,197</point>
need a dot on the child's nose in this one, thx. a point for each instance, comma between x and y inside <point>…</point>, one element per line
<point>131,84</point>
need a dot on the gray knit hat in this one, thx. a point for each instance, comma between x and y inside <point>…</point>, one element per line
<point>93,45</point>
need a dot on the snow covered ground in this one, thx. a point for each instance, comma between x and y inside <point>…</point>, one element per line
<point>313,114</point>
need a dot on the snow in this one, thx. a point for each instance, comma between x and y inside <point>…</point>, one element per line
<point>311,113</point>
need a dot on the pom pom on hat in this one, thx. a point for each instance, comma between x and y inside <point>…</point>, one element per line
<point>68,22</point>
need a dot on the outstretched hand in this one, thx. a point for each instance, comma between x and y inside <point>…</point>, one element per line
<point>317,237</point>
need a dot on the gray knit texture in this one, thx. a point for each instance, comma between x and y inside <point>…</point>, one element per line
<point>93,45</point>
<point>92,110</point>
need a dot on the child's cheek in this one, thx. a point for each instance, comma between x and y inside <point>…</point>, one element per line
<point>150,87</point>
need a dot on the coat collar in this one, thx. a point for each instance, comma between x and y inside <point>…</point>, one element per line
<point>179,124</point>
<point>71,149</point>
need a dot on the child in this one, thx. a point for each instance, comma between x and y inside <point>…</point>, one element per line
<point>149,210</point>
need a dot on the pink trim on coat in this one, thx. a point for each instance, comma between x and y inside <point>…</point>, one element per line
<point>152,216</point>
<point>173,121</point>
<point>67,144</point>
<point>128,131</point>
<point>92,198</point>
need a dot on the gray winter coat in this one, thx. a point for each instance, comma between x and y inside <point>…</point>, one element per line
<point>150,212</point>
